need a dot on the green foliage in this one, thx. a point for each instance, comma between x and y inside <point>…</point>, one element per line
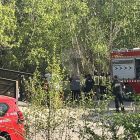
<point>83,119</point>
<point>8,25</point>
<point>52,94</point>
<point>33,36</point>
<point>30,28</point>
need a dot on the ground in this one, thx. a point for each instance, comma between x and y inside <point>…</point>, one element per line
<point>128,106</point>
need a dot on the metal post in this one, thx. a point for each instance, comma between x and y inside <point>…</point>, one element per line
<point>20,86</point>
<point>16,91</point>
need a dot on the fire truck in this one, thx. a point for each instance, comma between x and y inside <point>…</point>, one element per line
<point>126,64</point>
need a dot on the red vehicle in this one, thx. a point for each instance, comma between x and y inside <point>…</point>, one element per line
<point>11,120</point>
<point>126,64</point>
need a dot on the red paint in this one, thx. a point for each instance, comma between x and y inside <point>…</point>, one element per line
<point>10,122</point>
<point>134,83</point>
<point>125,54</point>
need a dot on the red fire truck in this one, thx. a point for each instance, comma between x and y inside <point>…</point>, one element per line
<point>126,64</point>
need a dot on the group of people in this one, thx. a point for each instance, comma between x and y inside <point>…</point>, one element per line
<point>99,84</point>
<point>96,83</point>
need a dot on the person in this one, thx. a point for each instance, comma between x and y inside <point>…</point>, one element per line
<point>89,83</point>
<point>138,72</point>
<point>102,84</point>
<point>96,89</point>
<point>72,86</point>
<point>117,87</point>
<point>107,74</point>
<point>83,83</point>
<point>108,82</point>
<point>75,87</point>
<point>45,87</point>
<point>45,84</point>
<point>102,73</point>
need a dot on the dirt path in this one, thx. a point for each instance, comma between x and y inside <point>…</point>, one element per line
<point>74,134</point>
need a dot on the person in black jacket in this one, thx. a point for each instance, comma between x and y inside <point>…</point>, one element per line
<point>117,87</point>
<point>72,86</point>
<point>75,87</point>
<point>89,85</point>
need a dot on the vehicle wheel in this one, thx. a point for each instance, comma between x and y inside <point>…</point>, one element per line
<point>127,93</point>
<point>2,138</point>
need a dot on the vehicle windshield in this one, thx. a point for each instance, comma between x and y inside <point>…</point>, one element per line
<point>50,76</point>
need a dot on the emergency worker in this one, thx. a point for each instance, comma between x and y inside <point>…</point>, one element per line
<point>102,73</point>
<point>96,88</point>
<point>102,84</point>
<point>89,83</point>
<point>108,82</point>
<point>117,87</point>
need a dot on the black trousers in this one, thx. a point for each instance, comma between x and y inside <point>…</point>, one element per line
<point>119,98</point>
<point>102,91</point>
<point>76,94</point>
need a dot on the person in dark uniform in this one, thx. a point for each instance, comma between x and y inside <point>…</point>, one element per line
<point>117,87</point>
<point>89,85</point>
<point>75,87</point>
<point>72,86</point>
